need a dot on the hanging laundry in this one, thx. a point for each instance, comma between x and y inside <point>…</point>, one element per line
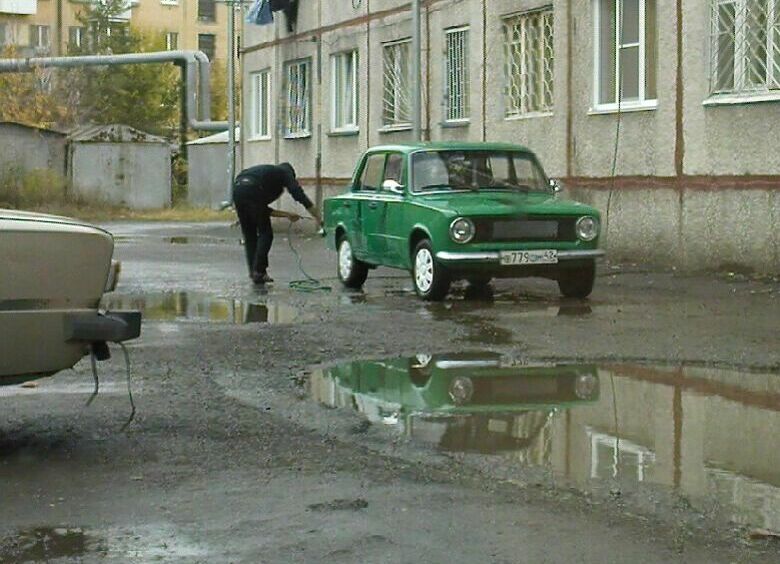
<point>290,9</point>
<point>260,13</point>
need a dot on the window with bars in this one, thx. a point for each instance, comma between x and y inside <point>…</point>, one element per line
<point>207,44</point>
<point>625,48</point>
<point>528,39</point>
<point>297,111</point>
<point>396,99</point>
<point>745,46</point>
<point>261,104</point>
<point>456,96</point>
<point>207,10</point>
<point>345,91</point>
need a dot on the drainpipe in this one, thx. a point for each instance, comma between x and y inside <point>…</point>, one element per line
<point>416,69</point>
<point>194,65</point>
<point>231,87</point>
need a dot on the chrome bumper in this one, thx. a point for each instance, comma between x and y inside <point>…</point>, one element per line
<point>494,256</point>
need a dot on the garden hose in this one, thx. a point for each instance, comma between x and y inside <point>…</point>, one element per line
<point>308,283</point>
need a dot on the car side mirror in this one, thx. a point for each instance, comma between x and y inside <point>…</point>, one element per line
<point>556,185</point>
<point>392,186</point>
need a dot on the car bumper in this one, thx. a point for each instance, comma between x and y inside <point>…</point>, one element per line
<point>112,327</point>
<point>494,257</point>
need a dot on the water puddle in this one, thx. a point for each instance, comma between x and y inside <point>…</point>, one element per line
<point>708,435</point>
<point>195,306</point>
<point>44,544</point>
<point>177,240</point>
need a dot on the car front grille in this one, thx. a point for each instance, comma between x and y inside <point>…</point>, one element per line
<point>527,229</point>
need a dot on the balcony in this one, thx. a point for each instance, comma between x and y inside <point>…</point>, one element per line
<point>19,7</point>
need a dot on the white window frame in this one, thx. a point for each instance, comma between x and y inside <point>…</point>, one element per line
<point>168,43</point>
<point>339,83</point>
<point>642,103</point>
<point>453,74</point>
<point>294,130</point>
<point>742,92</point>
<point>397,124</point>
<point>260,110</point>
<point>39,35</point>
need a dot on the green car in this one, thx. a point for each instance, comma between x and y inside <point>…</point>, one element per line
<point>449,211</point>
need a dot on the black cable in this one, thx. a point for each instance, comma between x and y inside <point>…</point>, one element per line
<point>93,362</point>
<point>309,283</point>
<point>129,390</point>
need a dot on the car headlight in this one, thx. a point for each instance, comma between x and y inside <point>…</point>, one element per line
<point>587,228</point>
<point>586,386</point>
<point>462,230</point>
<point>461,390</point>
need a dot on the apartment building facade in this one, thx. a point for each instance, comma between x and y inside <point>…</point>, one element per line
<point>659,112</point>
<point>48,27</point>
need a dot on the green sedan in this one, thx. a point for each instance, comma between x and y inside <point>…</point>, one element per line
<point>449,211</point>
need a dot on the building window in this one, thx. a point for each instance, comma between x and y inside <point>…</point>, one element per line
<point>39,37</point>
<point>3,38</point>
<point>297,114</point>
<point>529,62</point>
<point>345,92</point>
<point>206,43</point>
<point>745,46</point>
<point>625,48</point>
<point>261,104</point>
<point>207,10</point>
<point>456,95</point>
<point>76,36</point>
<point>396,101</point>
<point>172,41</point>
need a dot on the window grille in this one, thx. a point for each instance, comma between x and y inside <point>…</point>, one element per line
<point>745,46</point>
<point>261,104</point>
<point>529,62</point>
<point>625,44</point>
<point>345,91</point>
<point>457,75</point>
<point>396,102</point>
<point>297,109</point>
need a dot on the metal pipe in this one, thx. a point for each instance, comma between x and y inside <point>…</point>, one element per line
<point>231,79</point>
<point>193,63</point>
<point>416,71</point>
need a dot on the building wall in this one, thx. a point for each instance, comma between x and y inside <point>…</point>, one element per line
<point>697,181</point>
<point>207,174</point>
<point>27,149</point>
<point>136,175</point>
<point>154,16</point>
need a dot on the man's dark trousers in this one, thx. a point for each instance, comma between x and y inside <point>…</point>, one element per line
<point>254,215</point>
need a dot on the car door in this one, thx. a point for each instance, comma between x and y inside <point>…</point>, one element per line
<point>364,193</point>
<point>372,208</point>
<point>394,231</point>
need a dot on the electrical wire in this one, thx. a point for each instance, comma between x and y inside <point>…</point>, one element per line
<point>129,390</point>
<point>308,283</point>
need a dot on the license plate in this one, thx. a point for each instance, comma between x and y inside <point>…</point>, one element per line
<point>509,258</point>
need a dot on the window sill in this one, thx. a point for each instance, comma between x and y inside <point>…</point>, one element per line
<point>301,135</point>
<point>169,2</point>
<point>260,138</point>
<point>454,123</point>
<point>625,108</point>
<point>343,132</point>
<point>529,115</point>
<point>738,99</point>
<point>395,128</point>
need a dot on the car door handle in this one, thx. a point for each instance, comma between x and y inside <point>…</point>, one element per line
<point>372,205</point>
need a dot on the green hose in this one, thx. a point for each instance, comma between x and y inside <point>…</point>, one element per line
<point>308,283</point>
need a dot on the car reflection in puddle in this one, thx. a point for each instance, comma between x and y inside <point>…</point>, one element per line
<point>194,306</point>
<point>709,435</point>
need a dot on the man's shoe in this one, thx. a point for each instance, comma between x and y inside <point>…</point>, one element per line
<point>261,278</point>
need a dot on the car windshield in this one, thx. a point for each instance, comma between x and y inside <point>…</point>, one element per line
<point>477,170</point>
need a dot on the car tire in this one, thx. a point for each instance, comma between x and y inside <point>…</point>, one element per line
<point>577,282</point>
<point>431,281</point>
<point>351,271</point>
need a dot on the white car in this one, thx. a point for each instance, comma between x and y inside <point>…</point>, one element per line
<point>53,273</point>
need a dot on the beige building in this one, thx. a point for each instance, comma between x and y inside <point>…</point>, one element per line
<point>47,27</point>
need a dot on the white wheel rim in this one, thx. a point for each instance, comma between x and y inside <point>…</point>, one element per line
<point>345,259</point>
<point>423,270</point>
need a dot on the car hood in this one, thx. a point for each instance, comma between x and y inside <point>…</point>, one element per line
<point>504,203</point>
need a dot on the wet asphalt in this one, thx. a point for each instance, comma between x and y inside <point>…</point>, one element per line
<point>274,425</point>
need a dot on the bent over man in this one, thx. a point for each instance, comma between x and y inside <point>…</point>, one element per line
<point>254,190</point>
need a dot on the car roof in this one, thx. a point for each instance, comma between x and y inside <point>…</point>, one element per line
<point>449,145</point>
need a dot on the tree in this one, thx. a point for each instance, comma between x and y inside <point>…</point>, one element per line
<point>143,96</point>
<point>28,97</point>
